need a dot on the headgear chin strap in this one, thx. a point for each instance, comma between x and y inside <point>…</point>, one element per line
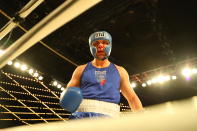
<point>100,35</point>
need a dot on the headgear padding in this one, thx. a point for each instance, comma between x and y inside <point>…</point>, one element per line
<point>100,35</point>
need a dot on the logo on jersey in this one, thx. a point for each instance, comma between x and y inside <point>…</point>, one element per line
<point>100,34</point>
<point>101,77</point>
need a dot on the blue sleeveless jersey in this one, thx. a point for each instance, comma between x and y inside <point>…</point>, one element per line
<point>101,83</point>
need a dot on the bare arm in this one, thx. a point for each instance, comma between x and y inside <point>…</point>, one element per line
<point>75,80</point>
<point>128,92</point>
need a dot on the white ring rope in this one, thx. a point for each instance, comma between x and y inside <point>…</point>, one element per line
<point>60,16</point>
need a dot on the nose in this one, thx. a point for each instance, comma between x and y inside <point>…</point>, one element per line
<point>100,45</point>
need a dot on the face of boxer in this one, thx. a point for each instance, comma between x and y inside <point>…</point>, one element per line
<point>100,46</point>
<point>100,43</point>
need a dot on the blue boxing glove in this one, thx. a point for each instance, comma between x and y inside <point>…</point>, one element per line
<point>71,98</point>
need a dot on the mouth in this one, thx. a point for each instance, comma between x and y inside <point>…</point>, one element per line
<point>100,52</point>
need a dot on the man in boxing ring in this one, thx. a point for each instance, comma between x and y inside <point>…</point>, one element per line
<point>94,87</point>
<point>98,83</point>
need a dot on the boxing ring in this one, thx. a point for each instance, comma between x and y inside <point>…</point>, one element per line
<point>181,116</point>
<point>176,116</point>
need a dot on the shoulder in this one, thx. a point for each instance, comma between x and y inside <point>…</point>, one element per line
<point>80,69</point>
<point>120,69</point>
<point>124,76</point>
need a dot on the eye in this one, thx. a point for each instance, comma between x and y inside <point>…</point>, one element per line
<point>95,43</point>
<point>105,42</point>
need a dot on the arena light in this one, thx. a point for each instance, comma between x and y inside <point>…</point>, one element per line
<point>194,71</point>
<point>154,80</point>
<point>149,82</point>
<point>36,74</point>
<point>163,79</point>
<point>59,86</point>
<point>31,71</point>
<point>186,72</point>
<point>188,78</point>
<point>143,84</point>
<point>24,67</point>
<point>62,89</point>
<point>40,78</point>
<point>55,83</point>
<point>10,62</point>
<point>159,79</point>
<point>17,64</point>
<point>133,84</point>
<point>167,78</point>
<point>173,77</point>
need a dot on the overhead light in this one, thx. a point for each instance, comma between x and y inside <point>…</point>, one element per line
<point>194,71</point>
<point>174,77</point>
<point>154,80</point>
<point>188,78</point>
<point>23,67</point>
<point>36,74</point>
<point>133,85</point>
<point>186,72</point>
<point>31,71</point>
<point>55,83</point>
<point>17,64</point>
<point>143,84</point>
<point>59,86</point>
<point>10,62</point>
<point>167,78</point>
<point>149,82</point>
<point>160,79</point>
<point>40,78</point>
